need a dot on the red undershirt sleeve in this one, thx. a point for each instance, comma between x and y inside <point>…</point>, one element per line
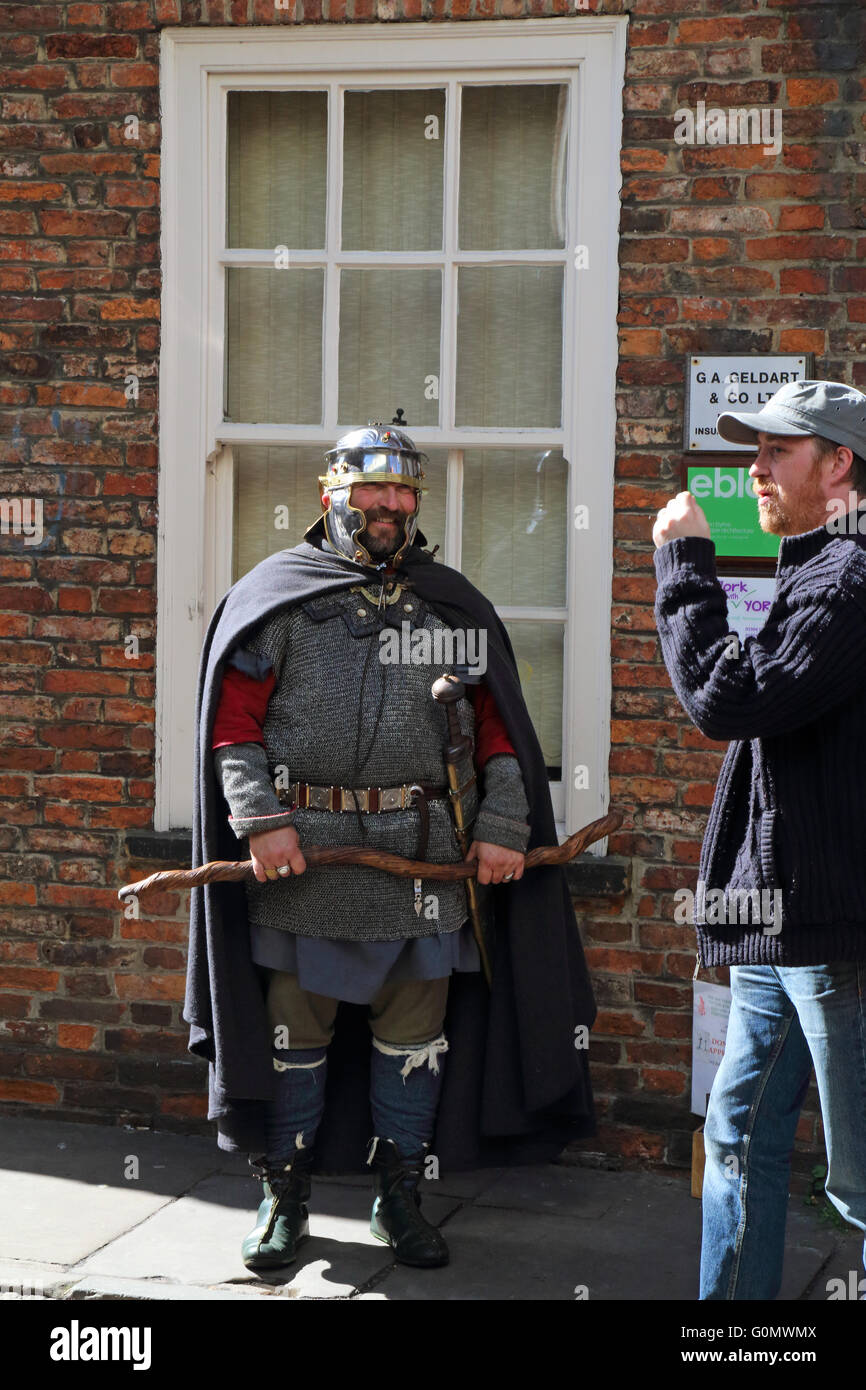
<point>491,735</point>
<point>242,706</point>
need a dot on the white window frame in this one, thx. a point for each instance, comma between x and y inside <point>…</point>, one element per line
<point>198,68</point>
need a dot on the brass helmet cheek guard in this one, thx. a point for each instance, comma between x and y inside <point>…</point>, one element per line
<point>378,453</point>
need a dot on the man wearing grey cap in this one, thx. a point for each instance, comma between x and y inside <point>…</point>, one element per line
<point>788,821</point>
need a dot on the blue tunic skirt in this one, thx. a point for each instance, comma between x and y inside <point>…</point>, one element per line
<point>355,971</point>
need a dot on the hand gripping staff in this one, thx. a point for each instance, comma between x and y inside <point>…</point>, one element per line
<point>231,871</point>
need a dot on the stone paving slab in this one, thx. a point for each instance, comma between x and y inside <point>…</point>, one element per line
<point>65,1217</point>
<point>197,1240</point>
<point>106,1286</point>
<point>168,1163</point>
<point>845,1264</point>
<point>64,1190</point>
<point>551,1189</point>
<point>521,1256</point>
<point>27,1279</point>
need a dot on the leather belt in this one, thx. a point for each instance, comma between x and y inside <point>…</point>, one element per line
<point>305,796</point>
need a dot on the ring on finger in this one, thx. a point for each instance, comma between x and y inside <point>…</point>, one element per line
<point>283,870</point>
<point>508,877</point>
<point>270,873</point>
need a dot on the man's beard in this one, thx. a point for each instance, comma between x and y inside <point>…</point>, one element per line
<point>380,547</point>
<point>804,511</point>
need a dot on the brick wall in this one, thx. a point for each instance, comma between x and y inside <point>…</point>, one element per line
<point>723,249</point>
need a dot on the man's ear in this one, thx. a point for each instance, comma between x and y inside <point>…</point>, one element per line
<point>840,470</point>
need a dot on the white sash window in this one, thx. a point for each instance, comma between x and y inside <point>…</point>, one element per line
<point>400,218</point>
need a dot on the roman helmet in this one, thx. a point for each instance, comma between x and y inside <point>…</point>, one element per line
<point>379,453</point>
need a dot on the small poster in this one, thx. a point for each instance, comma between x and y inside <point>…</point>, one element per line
<point>711,1007</point>
<point>749,599</point>
<point>728,500</point>
<point>733,382</point>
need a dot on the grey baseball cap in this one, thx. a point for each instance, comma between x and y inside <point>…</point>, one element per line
<point>828,408</point>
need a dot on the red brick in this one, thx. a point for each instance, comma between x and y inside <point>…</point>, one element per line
<point>664,1081</point>
<point>188,1107</point>
<point>148,986</point>
<point>711,248</point>
<point>31,191</point>
<point>649,161</point>
<point>799,280</point>
<point>130,309</point>
<point>812,91</point>
<point>90,46</point>
<point>40,1092</point>
<point>20,977</point>
<point>794,248</point>
<point>721,29</point>
<point>802,340</point>
<point>78,1036</point>
<point>134,75</point>
<point>618,1023</point>
<point>41,76</point>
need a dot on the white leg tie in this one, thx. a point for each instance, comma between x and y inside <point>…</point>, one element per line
<point>296,1066</point>
<point>417,1055</point>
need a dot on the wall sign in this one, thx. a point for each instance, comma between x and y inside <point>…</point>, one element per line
<point>727,498</point>
<point>711,1008</point>
<point>733,382</point>
<point>749,598</point>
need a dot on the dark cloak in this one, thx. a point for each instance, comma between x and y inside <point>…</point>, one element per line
<point>516,1086</point>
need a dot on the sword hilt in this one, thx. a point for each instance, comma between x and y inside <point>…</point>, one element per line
<point>447,690</point>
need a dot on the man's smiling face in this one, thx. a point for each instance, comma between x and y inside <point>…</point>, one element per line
<point>386,506</point>
<point>791,485</point>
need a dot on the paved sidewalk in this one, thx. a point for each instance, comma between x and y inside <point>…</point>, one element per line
<point>77,1222</point>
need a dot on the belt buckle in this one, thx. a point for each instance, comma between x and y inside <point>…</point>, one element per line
<point>392,798</point>
<point>350,798</point>
<point>319,798</point>
<point>284,794</point>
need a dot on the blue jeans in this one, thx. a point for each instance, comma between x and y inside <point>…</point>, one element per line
<point>784,1020</point>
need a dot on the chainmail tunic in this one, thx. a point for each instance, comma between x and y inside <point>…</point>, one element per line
<point>340,715</point>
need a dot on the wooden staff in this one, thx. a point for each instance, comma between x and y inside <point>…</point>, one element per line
<point>231,871</point>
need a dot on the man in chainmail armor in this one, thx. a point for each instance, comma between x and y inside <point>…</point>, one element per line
<point>319,740</point>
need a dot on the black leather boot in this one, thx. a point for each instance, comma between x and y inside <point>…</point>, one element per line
<point>282,1221</point>
<point>396,1217</point>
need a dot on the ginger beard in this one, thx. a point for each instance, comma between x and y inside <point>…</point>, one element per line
<point>794,509</point>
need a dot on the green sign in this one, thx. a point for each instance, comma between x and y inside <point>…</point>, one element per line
<point>731,508</point>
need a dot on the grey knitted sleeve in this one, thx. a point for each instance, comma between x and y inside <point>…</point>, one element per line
<point>502,815</point>
<point>243,773</point>
<point>242,768</point>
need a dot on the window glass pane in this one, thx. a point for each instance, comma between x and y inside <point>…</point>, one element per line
<point>512,167</point>
<point>277,169</point>
<point>274,350</point>
<point>538,648</point>
<point>392,170</point>
<point>509,346</point>
<point>389,346</point>
<point>276,497</point>
<point>431,519</point>
<point>515,525</point>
